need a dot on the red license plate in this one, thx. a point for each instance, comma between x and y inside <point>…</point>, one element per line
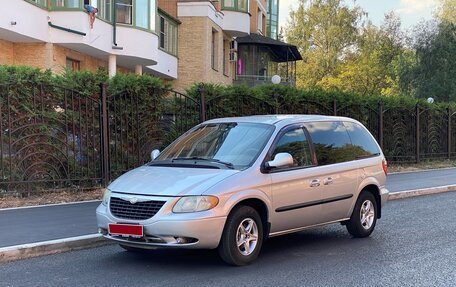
<point>126,229</point>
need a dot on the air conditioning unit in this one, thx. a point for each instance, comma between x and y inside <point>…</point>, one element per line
<point>233,45</point>
<point>233,56</point>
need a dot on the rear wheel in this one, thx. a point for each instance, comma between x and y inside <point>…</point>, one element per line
<point>364,217</point>
<point>242,236</point>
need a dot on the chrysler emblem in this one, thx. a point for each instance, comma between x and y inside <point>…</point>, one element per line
<point>133,200</point>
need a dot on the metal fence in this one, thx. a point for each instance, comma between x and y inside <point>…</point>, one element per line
<point>54,137</point>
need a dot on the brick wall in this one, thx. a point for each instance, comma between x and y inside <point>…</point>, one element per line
<point>6,53</point>
<point>195,38</point>
<point>169,6</point>
<point>48,56</point>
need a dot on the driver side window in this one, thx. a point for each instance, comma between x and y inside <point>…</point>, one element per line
<point>295,143</point>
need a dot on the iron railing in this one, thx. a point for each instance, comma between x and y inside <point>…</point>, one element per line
<point>54,137</point>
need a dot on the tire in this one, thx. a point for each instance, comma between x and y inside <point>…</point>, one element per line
<point>359,224</point>
<point>243,223</point>
<point>131,249</point>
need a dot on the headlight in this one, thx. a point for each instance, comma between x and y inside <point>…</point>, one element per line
<point>106,195</point>
<point>195,203</point>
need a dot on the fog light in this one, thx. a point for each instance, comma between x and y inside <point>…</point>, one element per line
<point>181,240</point>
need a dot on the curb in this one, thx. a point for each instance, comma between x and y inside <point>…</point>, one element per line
<point>36,249</point>
<point>420,192</point>
<point>30,250</point>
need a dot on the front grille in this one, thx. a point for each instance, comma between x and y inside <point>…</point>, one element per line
<point>140,211</point>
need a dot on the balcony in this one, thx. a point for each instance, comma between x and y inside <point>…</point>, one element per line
<point>236,20</point>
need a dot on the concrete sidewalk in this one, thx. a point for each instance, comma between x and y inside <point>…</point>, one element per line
<point>34,231</point>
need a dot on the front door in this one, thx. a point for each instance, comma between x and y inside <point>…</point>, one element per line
<point>294,188</point>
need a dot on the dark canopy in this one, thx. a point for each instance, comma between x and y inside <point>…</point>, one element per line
<point>283,52</point>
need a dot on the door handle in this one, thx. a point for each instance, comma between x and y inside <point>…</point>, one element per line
<point>315,183</point>
<point>328,181</point>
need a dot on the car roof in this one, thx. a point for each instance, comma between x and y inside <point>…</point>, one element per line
<point>279,120</point>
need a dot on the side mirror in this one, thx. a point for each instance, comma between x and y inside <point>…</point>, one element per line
<point>282,159</point>
<point>154,154</point>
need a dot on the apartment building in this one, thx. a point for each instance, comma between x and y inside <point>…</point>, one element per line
<point>183,41</point>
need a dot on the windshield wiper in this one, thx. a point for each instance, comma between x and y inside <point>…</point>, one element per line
<point>227,164</point>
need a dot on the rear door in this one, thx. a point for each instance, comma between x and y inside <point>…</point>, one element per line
<point>336,167</point>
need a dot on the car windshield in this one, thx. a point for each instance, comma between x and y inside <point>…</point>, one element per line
<point>235,145</point>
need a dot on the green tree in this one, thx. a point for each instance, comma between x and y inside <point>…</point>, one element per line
<point>324,31</point>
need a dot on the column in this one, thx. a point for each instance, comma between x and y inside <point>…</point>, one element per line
<point>138,70</point>
<point>112,67</point>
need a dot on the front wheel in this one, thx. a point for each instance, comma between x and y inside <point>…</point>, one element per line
<point>364,217</point>
<point>242,236</point>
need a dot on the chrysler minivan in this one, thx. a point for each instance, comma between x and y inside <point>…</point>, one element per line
<point>231,183</point>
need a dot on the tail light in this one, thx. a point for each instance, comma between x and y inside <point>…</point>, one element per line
<point>385,166</point>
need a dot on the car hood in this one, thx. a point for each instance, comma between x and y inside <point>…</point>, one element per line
<point>169,181</point>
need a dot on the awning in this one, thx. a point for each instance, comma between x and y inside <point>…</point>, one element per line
<point>283,52</point>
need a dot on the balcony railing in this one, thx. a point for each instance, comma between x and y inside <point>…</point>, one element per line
<point>256,80</point>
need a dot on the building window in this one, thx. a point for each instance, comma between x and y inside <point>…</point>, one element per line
<point>104,9</point>
<point>73,65</point>
<point>67,3</point>
<point>168,35</point>
<point>124,11</point>
<point>142,14</point>
<point>260,21</point>
<point>42,3</point>
<point>272,19</point>
<point>214,50</point>
<point>238,5</point>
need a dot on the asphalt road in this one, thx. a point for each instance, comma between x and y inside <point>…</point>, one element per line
<point>28,225</point>
<point>421,179</point>
<point>414,244</point>
<point>55,222</point>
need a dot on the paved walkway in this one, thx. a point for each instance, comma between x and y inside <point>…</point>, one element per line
<point>28,225</point>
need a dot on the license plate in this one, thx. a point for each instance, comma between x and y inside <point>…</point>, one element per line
<point>126,230</point>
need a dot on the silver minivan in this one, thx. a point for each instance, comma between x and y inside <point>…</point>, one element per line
<point>231,183</point>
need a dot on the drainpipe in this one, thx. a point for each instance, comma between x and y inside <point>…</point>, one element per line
<point>114,23</point>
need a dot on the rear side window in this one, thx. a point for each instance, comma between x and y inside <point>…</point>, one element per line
<point>331,141</point>
<point>363,143</point>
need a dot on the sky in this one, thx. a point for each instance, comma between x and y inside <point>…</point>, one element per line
<point>410,11</point>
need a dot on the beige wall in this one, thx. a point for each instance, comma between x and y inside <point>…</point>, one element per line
<point>48,56</point>
<point>6,53</point>
<point>169,6</point>
<point>195,38</point>
<point>254,16</point>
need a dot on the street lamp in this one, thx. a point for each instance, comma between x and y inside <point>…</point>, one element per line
<point>276,80</point>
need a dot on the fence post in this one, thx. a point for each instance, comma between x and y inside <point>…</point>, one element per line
<point>380,124</point>
<point>449,132</point>
<point>202,93</point>
<point>104,135</point>
<point>334,106</point>
<point>417,133</point>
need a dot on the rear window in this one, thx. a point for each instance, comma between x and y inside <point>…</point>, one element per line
<point>363,143</point>
<point>331,142</point>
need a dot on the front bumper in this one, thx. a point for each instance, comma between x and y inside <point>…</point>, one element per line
<point>168,230</point>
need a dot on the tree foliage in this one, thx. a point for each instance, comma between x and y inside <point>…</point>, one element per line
<point>344,51</point>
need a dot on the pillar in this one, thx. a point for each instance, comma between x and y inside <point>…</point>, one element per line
<point>138,70</point>
<point>112,67</point>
